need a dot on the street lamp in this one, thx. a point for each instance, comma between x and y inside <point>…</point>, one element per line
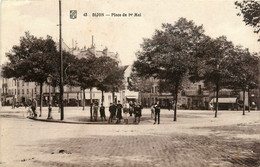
<point>49,80</point>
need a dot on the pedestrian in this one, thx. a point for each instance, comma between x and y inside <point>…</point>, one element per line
<point>131,108</point>
<point>102,112</point>
<point>169,105</point>
<point>33,107</point>
<point>95,114</point>
<point>119,112</point>
<point>157,112</point>
<point>138,112</point>
<point>30,113</point>
<point>110,119</point>
<point>211,107</point>
<point>126,112</point>
<point>112,110</point>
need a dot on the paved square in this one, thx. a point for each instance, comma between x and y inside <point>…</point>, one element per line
<point>196,139</point>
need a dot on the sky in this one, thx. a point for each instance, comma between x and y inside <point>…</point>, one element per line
<point>119,34</point>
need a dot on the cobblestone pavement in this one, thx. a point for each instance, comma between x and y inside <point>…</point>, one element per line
<point>196,139</point>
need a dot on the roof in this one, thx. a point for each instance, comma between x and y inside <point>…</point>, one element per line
<point>225,100</point>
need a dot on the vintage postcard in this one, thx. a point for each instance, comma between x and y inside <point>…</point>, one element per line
<point>131,83</point>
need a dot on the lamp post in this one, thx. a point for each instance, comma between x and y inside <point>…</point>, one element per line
<point>49,80</point>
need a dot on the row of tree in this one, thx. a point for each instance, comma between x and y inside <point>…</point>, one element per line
<point>182,51</point>
<point>36,59</point>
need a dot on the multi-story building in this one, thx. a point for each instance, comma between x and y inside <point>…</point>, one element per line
<point>193,96</point>
<point>8,91</point>
<point>197,96</point>
<point>26,91</point>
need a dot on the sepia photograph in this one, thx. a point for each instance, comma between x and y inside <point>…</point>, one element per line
<point>130,83</point>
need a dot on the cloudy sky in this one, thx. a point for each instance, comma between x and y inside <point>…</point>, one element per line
<point>119,34</point>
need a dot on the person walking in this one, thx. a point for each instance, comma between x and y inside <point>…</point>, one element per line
<point>119,112</point>
<point>126,111</point>
<point>157,112</point>
<point>102,112</point>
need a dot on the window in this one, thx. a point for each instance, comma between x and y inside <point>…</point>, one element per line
<point>22,83</point>
<point>15,92</point>
<point>27,83</point>
<point>27,91</point>
<point>22,91</point>
<point>18,83</point>
<point>18,91</point>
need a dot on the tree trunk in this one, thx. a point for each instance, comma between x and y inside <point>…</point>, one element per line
<point>176,101</point>
<point>41,84</point>
<point>175,107</point>
<point>91,105</point>
<point>78,99</point>
<point>54,95</point>
<point>13,103</point>
<point>84,99</point>
<point>50,105</point>
<point>102,100</point>
<point>248,98</point>
<point>244,96</point>
<point>217,91</point>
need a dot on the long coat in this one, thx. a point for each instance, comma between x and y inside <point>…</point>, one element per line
<point>119,111</point>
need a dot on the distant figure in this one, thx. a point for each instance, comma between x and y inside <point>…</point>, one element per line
<point>33,107</point>
<point>119,112</point>
<point>169,105</point>
<point>126,111</point>
<point>131,108</point>
<point>29,113</point>
<point>102,112</point>
<point>138,112</point>
<point>95,114</point>
<point>157,112</point>
<point>112,110</point>
<point>211,106</point>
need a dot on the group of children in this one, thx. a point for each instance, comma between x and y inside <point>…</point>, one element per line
<point>128,109</point>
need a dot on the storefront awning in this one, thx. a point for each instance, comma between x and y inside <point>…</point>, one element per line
<point>225,100</point>
<point>131,97</point>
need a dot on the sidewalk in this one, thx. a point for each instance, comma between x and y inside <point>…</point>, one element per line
<point>196,139</point>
